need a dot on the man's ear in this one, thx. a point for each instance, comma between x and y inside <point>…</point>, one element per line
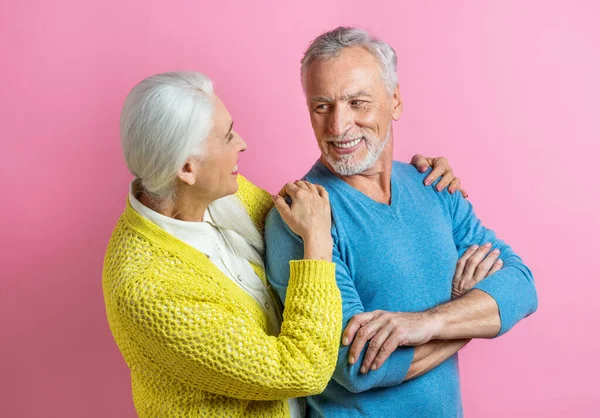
<point>396,104</point>
<point>186,173</point>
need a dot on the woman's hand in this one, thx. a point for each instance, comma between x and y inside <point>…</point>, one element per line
<point>309,216</point>
<point>475,265</point>
<point>441,168</point>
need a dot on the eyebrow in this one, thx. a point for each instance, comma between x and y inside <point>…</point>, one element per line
<point>345,97</point>
<point>229,131</point>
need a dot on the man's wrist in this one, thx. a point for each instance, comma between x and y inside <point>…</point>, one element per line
<point>437,321</point>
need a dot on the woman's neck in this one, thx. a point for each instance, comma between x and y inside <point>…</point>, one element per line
<point>184,208</point>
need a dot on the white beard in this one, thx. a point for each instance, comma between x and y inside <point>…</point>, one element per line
<point>346,165</point>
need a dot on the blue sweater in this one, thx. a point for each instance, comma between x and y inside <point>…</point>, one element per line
<point>398,257</point>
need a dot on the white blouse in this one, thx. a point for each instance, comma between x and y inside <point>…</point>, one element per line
<point>206,238</point>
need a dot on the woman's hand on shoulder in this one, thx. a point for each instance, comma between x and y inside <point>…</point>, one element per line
<point>309,216</point>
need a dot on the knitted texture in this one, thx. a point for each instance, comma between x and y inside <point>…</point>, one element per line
<point>198,345</point>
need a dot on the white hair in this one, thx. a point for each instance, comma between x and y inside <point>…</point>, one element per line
<point>332,43</point>
<point>165,120</point>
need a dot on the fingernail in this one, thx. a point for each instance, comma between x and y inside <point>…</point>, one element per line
<point>496,251</point>
<point>474,247</point>
<point>351,360</point>
<point>363,370</point>
<point>345,341</point>
<point>374,367</point>
<point>488,245</point>
<point>438,188</point>
<point>499,262</point>
<point>428,182</point>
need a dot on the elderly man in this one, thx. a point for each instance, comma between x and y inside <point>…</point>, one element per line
<point>396,246</point>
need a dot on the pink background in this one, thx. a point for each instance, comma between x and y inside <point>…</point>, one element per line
<point>508,91</point>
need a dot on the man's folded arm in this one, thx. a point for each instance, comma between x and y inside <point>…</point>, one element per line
<point>512,287</point>
<point>282,245</point>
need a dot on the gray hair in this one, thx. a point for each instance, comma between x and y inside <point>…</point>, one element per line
<point>165,120</point>
<point>332,43</point>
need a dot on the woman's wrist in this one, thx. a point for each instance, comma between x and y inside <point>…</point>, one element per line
<point>318,247</point>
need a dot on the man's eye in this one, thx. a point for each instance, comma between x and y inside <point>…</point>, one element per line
<point>230,137</point>
<point>322,108</point>
<point>356,103</point>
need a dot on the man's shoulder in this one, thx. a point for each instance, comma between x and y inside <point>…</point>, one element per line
<point>319,174</point>
<point>407,171</point>
<point>409,176</point>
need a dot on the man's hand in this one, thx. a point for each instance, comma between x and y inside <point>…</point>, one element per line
<point>441,168</point>
<point>386,332</point>
<point>476,264</point>
<point>390,330</point>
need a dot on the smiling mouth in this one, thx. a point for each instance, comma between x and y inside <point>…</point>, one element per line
<point>347,144</point>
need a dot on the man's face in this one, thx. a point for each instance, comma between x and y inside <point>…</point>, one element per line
<point>350,109</point>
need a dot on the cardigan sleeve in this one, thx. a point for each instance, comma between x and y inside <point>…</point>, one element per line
<point>282,245</point>
<point>216,348</point>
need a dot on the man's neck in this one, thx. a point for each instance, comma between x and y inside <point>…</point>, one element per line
<point>374,182</point>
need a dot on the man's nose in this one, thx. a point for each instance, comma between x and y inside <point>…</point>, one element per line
<point>340,121</point>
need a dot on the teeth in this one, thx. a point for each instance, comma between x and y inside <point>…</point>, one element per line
<point>235,169</point>
<point>348,144</point>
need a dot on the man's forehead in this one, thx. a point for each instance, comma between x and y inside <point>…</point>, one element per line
<point>353,71</point>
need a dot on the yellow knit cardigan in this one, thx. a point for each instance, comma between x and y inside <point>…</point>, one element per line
<point>197,345</point>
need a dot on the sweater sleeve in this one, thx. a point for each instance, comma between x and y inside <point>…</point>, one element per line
<point>512,287</point>
<point>216,348</point>
<point>283,245</point>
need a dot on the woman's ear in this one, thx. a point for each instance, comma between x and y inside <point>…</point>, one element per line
<point>396,104</point>
<point>186,173</point>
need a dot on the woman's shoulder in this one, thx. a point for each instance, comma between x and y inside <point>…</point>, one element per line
<point>257,201</point>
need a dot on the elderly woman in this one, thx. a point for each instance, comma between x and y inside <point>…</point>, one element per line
<point>184,284</point>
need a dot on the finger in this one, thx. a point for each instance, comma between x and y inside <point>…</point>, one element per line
<point>283,193</point>
<point>464,193</point>
<point>311,186</point>
<point>440,166</point>
<point>497,266</point>
<point>445,181</point>
<point>485,266</point>
<point>302,184</point>
<point>364,334</point>
<point>323,193</point>
<point>354,325</point>
<point>375,345</point>
<point>290,190</point>
<point>474,261</point>
<point>454,185</point>
<point>386,350</point>
<point>282,207</point>
<point>462,261</point>
<point>420,162</point>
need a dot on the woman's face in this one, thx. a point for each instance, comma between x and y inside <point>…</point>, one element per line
<point>216,169</point>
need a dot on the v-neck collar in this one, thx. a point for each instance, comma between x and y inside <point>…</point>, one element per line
<point>392,208</point>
